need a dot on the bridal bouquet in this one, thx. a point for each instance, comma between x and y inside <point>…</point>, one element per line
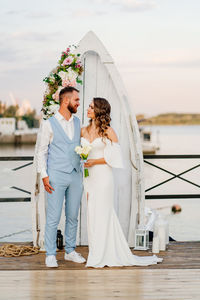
<point>84,151</point>
<point>67,73</point>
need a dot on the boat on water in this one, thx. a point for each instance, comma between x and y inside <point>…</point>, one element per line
<point>22,135</point>
<point>149,140</point>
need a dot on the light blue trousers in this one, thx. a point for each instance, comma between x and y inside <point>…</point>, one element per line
<point>68,187</point>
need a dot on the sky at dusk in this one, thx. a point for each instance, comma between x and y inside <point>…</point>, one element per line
<point>155,45</point>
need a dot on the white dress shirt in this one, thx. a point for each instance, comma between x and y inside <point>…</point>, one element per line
<point>46,137</point>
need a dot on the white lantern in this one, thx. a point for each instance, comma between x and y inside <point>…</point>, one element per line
<point>141,239</point>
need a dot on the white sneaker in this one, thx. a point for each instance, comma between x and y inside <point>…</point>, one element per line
<point>51,261</point>
<point>75,256</point>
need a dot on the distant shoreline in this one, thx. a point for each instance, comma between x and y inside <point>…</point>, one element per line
<point>150,124</point>
<point>170,119</point>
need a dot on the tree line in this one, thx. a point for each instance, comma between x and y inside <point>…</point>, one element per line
<point>13,111</point>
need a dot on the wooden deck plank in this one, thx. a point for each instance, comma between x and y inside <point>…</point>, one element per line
<point>179,255</point>
<point>100,284</point>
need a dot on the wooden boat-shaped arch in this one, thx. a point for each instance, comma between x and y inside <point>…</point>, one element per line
<point>102,79</point>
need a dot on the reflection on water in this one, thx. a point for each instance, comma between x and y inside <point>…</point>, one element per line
<point>10,150</point>
<point>177,140</point>
<point>183,226</point>
<point>16,217</point>
<point>15,222</point>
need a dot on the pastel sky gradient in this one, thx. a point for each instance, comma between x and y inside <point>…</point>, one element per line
<point>154,43</point>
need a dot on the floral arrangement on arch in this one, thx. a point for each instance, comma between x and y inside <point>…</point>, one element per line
<point>67,73</point>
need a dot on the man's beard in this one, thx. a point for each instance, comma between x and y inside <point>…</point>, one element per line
<point>72,109</point>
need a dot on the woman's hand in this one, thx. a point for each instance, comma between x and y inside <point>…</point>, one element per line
<point>90,163</point>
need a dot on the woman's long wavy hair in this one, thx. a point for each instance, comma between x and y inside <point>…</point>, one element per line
<point>102,111</point>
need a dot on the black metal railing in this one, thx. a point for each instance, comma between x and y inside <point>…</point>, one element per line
<point>18,158</point>
<point>146,161</point>
<point>173,176</point>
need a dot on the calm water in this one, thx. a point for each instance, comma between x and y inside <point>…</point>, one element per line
<point>177,140</point>
<point>16,217</point>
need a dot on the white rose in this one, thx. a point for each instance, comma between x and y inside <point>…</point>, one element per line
<point>62,75</point>
<point>55,96</point>
<point>53,108</point>
<point>86,149</point>
<point>78,150</point>
<point>71,75</point>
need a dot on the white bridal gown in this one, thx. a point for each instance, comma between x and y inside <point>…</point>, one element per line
<point>107,243</point>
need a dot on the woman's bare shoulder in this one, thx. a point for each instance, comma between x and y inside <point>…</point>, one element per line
<point>112,135</point>
<point>83,130</point>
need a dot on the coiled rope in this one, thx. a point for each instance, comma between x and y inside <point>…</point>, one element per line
<point>11,250</point>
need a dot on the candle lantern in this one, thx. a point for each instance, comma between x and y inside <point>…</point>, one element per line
<point>141,239</point>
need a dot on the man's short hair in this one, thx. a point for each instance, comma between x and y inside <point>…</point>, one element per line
<point>66,90</point>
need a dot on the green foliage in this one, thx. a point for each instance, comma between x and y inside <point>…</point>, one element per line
<point>30,118</point>
<point>2,109</point>
<point>11,111</point>
<point>79,81</point>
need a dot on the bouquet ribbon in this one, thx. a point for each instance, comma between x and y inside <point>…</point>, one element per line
<point>85,170</point>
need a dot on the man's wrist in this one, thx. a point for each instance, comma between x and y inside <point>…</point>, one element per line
<point>44,174</point>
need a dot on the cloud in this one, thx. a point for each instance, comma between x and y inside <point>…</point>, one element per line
<point>182,64</point>
<point>38,15</point>
<point>129,5</point>
<point>8,54</point>
<point>19,50</point>
<point>31,14</point>
<point>177,58</point>
<point>84,13</point>
<point>169,58</point>
<point>34,36</point>
<point>187,63</point>
<point>14,12</point>
<point>134,5</point>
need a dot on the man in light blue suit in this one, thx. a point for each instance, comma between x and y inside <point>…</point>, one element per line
<point>61,174</point>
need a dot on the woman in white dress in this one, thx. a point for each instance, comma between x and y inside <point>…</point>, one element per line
<point>107,243</point>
